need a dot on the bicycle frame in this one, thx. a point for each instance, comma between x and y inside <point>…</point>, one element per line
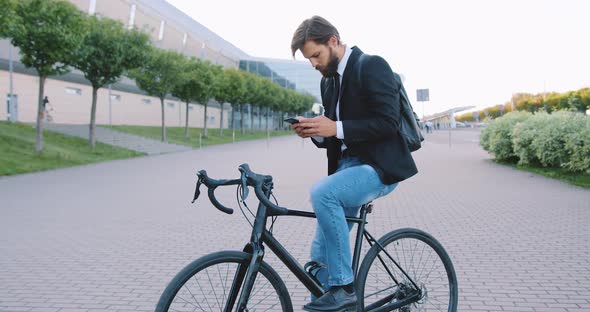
<point>246,275</point>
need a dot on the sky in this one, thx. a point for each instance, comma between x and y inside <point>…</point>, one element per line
<point>466,52</point>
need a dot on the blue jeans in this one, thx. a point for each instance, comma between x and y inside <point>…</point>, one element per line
<point>333,198</point>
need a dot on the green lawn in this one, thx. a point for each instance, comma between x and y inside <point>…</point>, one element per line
<point>176,134</point>
<point>17,150</point>
<point>579,179</point>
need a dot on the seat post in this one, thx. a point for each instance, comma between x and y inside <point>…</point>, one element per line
<point>365,209</point>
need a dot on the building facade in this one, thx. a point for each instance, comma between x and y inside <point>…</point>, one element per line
<point>70,95</point>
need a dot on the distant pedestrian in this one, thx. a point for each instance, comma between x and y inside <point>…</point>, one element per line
<point>45,114</point>
<point>44,111</point>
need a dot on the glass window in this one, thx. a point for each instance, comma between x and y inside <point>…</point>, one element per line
<point>73,91</point>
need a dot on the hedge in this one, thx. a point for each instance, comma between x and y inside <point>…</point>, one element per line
<point>558,140</point>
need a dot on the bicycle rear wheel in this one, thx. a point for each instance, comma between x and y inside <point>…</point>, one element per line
<point>381,284</point>
<point>204,284</point>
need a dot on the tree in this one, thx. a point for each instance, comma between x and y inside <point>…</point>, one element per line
<point>576,104</point>
<point>217,92</point>
<point>48,34</point>
<point>195,85</point>
<point>308,101</point>
<point>235,88</point>
<point>6,23</point>
<point>277,100</point>
<point>6,16</point>
<point>238,92</point>
<point>584,95</point>
<point>266,97</point>
<point>288,102</point>
<point>251,94</point>
<point>258,96</point>
<point>218,75</point>
<point>159,76</point>
<point>220,93</point>
<point>108,50</point>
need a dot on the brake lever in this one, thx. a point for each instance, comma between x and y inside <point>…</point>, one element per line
<point>245,190</point>
<point>197,190</point>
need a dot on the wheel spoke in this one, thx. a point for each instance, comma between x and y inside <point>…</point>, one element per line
<point>203,286</point>
<point>421,258</point>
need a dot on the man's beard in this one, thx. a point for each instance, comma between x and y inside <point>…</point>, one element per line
<point>332,67</point>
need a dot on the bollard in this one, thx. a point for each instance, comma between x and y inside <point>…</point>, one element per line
<point>200,140</point>
<point>449,136</point>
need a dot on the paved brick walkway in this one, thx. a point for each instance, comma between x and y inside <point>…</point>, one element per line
<point>110,236</point>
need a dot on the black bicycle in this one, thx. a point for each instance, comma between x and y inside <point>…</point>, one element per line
<point>405,270</point>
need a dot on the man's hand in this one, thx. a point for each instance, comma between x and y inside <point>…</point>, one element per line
<point>297,129</point>
<point>317,126</point>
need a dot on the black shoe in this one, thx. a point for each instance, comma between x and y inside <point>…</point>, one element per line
<point>334,300</point>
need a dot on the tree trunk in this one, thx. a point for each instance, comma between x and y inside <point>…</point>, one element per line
<point>221,121</point>
<point>163,121</point>
<point>282,120</point>
<point>242,119</point>
<point>251,118</point>
<point>186,122</point>
<point>233,118</point>
<point>267,117</point>
<point>40,112</point>
<point>92,134</point>
<point>205,122</point>
<point>259,119</point>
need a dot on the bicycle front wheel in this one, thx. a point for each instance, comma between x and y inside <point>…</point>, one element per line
<point>204,285</point>
<point>429,274</point>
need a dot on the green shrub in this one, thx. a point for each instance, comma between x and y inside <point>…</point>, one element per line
<point>577,145</point>
<point>549,141</point>
<point>557,140</point>
<point>496,137</point>
<point>523,135</point>
<point>484,137</point>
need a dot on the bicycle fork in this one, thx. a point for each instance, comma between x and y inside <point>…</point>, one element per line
<point>244,279</point>
<point>246,275</point>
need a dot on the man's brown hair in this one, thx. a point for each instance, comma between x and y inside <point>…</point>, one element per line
<point>317,29</point>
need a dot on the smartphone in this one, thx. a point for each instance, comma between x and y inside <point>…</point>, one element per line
<point>292,120</point>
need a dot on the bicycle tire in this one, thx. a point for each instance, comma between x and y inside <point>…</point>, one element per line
<point>203,303</point>
<point>398,243</point>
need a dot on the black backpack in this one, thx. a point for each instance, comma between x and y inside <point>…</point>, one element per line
<point>408,127</point>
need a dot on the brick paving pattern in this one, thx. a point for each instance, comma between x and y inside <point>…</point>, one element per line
<point>110,236</point>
